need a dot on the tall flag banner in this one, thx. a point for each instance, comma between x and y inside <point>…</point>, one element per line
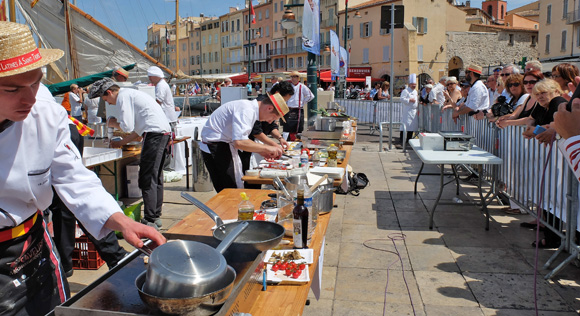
<point>334,54</point>
<point>33,3</point>
<point>3,10</point>
<point>344,62</point>
<point>252,14</point>
<point>311,26</point>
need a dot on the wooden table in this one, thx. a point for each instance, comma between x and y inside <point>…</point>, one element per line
<point>277,299</point>
<point>337,182</point>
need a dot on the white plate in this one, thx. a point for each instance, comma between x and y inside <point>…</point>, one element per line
<point>280,276</point>
<point>332,172</point>
<point>308,255</point>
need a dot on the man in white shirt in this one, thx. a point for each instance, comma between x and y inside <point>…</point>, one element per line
<point>478,97</point>
<point>75,97</point>
<point>142,117</point>
<point>436,95</point>
<point>163,94</point>
<point>295,117</point>
<point>227,131</point>
<point>38,155</point>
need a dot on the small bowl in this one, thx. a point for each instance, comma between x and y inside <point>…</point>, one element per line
<point>252,172</point>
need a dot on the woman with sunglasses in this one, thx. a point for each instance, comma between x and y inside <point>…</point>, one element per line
<point>517,95</point>
<point>451,93</point>
<point>563,74</point>
<point>522,113</point>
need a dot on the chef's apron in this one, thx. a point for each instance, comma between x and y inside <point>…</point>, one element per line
<point>31,278</point>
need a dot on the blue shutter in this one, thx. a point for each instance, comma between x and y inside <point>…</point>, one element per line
<point>370,29</point>
<point>424,25</point>
<point>362,33</point>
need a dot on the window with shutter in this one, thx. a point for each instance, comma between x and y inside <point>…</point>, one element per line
<point>362,34</point>
<point>370,29</point>
<point>424,25</point>
<point>386,53</point>
<point>564,37</point>
<point>547,43</point>
<point>365,56</point>
<point>419,52</point>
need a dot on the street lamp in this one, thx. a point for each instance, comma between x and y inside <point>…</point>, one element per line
<point>289,22</point>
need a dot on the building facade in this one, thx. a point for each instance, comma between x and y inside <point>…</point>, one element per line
<point>559,30</point>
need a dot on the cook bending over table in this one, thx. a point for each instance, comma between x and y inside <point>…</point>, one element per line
<point>227,130</point>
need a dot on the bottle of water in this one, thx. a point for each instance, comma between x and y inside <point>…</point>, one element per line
<point>308,203</point>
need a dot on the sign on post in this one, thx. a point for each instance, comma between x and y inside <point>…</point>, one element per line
<point>386,17</point>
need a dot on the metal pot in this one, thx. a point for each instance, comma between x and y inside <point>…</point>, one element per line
<point>208,304</point>
<point>186,269</point>
<point>100,129</point>
<point>259,236</point>
<point>325,198</point>
<point>327,124</point>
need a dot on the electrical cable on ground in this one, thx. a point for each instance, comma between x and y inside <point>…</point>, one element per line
<point>393,238</point>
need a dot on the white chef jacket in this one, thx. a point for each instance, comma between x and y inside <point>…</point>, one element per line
<point>38,154</point>
<point>410,118</point>
<point>92,106</point>
<point>302,95</point>
<point>75,104</point>
<point>163,94</point>
<point>478,97</point>
<point>140,113</point>
<point>437,94</point>
<point>232,121</point>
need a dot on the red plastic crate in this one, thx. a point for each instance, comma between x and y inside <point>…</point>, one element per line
<point>85,256</point>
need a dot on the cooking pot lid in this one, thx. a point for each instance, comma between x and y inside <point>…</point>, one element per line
<point>188,258</point>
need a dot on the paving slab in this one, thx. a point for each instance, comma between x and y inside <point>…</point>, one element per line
<point>473,237</point>
<point>321,307</point>
<point>494,260</point>
<point>523,312</point>
<point>383,256</point>
<point>361,233</point>
<point>368,285</point>
<point>422,236</point>
<point>380,219</point>
<point>328,284</point>
<point>413,219</point>
<point>514,291</point>
<point>357,308</point>
<point>403,205</point>
<point>438,310</point>
<point>443,288</point>
<point>432,258</point>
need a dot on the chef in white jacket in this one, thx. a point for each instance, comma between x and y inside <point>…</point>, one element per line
<point>38,154</point>
<point>410,100</point>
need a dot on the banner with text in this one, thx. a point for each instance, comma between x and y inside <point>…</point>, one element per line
<point>311,26</point>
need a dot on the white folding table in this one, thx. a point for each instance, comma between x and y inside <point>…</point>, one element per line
<point>475,156</point>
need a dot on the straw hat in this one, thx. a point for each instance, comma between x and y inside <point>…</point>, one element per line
<point>294,73</point>
<point>18,50</point>
<point>121,71</point>
<point>279,104</point>
<point>475,69</point>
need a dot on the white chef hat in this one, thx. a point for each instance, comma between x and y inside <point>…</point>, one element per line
<point>155,71</point>
<point>412,78</point>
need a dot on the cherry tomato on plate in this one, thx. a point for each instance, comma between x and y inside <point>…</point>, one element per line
<point>296,274</point>
<point>302,266</point>
<point>275,268</point>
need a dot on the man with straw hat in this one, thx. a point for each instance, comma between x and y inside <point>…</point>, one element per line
<point>294,122</point>
<point>227,131</point>
<point>38,155</point>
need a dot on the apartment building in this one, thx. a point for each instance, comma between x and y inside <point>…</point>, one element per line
<point>232,30</point>
<point>210,47</point>
<point>559,34</point>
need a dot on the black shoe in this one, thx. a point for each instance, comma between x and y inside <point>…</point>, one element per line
<point>69,273</point>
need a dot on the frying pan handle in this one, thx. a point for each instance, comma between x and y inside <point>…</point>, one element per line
<point>223,246</point>
<point>218,221</point>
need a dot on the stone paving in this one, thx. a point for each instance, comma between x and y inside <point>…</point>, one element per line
<point>382,259</point>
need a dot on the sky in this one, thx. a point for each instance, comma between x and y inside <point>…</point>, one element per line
<point>130,18</point>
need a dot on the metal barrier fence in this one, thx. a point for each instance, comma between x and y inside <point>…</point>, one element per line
<point>519,176</point>
<point>521,173</point>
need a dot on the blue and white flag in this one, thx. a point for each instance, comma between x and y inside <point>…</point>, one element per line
<point>334,55</point>
<point>311,26</point>
<point>343,62</point>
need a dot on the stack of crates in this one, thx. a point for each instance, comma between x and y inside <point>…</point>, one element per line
<point>85,256</point>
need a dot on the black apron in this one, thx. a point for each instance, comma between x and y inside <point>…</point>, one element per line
<point>32,281</point>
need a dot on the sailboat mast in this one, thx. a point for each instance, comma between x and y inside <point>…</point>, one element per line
<point>176,36</point>
<point>12,9</point>
<point>71,46</point>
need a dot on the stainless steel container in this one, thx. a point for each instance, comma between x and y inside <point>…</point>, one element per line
<point>100,129</point>
<point>327,124</point>
<point>325,198</point>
